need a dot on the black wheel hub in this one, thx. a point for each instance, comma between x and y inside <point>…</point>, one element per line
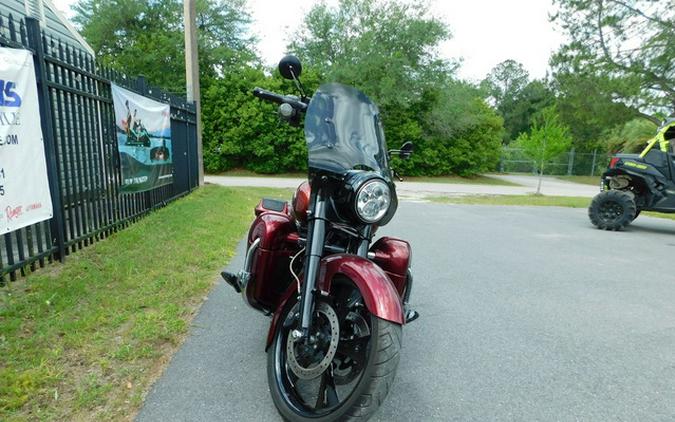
<point>316,375</point>
<point>610,211</point>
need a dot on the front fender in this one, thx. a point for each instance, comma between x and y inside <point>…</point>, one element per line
<point>379,295</point>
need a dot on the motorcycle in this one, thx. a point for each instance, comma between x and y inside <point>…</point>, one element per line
<point>337,299</point>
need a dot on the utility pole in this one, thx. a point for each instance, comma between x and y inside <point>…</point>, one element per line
<point>192,75</point>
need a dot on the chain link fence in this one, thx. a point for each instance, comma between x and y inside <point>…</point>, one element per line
<point>571,163</point>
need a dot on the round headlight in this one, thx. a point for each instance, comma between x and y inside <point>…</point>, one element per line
<point>373,200</point>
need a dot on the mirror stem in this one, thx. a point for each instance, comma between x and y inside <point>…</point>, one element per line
<point>298,85</point>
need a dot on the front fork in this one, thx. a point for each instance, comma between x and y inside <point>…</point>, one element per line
<point>316,236</point>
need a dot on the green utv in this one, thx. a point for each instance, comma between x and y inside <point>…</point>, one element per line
<point>636,182</point>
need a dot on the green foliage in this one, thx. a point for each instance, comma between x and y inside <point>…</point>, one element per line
<point>146,37</point>
<point>632,137</point>
<point>504,82</point>
<point>516,98</point>
<point>462,135</point>
<point>547,139</point>
<point>586,105</point>
<point>387,49</point>
<point>530,101</point>
<point>503,87</point>
<point>243,131</point>
<point>628,45</point>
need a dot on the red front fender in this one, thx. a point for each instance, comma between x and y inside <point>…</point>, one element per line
<point>379,294</point>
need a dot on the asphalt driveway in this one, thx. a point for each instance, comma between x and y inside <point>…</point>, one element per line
<point>526,314</point>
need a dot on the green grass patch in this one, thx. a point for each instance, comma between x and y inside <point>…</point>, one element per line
<point>524,200</point>
<point>530,201</point>
<point>84,340</point>
<point>584,180</point>
<point>473,180</point>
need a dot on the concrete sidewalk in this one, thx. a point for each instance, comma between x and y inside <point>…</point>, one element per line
<point>419,190</point>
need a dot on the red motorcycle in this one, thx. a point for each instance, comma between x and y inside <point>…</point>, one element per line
<point>338,300</point>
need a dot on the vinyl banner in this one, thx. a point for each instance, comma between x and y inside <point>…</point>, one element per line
<point>24,187</point>
<point>144,140</point>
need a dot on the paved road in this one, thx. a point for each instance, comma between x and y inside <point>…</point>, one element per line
<point>527,314</point>
<point>417,190</point>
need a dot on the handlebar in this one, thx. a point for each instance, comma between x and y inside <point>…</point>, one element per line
<point>279,99</point>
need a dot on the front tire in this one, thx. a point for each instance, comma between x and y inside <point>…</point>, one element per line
<point>612,210</point>
<point>344,393</point>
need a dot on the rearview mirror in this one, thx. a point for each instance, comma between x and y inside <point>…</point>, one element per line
<point>290,67</point>
<point>406,150</point>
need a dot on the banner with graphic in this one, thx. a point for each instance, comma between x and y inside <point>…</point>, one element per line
<point>144,140</point>
<point>24,187</point>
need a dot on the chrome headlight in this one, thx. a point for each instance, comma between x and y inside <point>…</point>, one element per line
<point>373,200</point>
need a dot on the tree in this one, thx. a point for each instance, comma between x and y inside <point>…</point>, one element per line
<point>242,131</point>
<point>531,99</point>
<point>387,49</point>
<point>146,37</point>
<point>628,45</point>
<point>460,134</point>
<point>547,139</point>
<point>632,137</point>
<point>585,105</point>
<point>504,82</point>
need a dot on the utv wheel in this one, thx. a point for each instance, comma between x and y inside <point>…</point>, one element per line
<point>612,210</point>
<point>357,375</point>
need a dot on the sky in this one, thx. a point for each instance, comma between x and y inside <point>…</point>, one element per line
<point>484,32</point>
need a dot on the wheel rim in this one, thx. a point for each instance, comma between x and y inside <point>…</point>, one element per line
<point>312,391</point>
<point>610,212</point>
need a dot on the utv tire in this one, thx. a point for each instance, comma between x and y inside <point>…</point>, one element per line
<point>612,210</point>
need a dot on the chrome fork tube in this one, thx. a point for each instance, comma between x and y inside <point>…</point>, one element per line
<point>315,241</point>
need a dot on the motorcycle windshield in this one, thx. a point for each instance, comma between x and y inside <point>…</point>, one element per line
<point>344,132</point>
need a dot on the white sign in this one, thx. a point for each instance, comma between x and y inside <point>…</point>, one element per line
<point>24,187</point>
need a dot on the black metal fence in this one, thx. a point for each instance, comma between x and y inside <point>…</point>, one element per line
<point>78,126</point>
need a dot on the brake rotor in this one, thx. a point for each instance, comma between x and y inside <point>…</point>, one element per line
<point>314,369</point>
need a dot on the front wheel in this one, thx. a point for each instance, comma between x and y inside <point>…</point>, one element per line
<point>346,367</point>
<point>612,210</point>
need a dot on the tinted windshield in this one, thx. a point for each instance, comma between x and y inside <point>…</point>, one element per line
<point>343,131</point>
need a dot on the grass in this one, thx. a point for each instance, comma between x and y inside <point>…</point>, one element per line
<point>473,180</point>
<point>84,340</point>
<point>530,201</point>
<point>523,200</point>
<point>584,180</point>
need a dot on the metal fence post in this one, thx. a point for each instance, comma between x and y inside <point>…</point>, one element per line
<point>595,152</point>
<point>570,162</point>
<point>46,122</point>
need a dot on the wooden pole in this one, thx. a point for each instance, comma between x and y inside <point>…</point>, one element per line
<point>192,75</point>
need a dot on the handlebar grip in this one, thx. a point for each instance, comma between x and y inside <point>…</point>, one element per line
<point>268,95</point>
<point>279,99</point>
